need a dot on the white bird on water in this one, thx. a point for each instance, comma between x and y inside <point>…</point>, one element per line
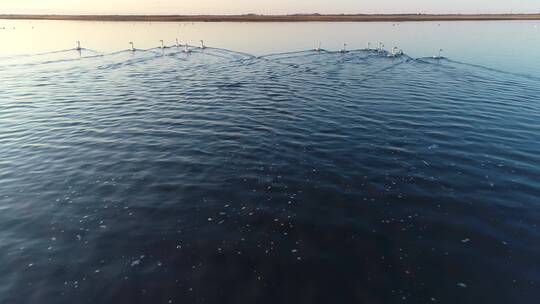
<point>186,48</point>
<point>318,48</point>
<point>202,44</point>
<point>438,56</point>
<point>394,52</point>
<point>132,46</point>
<point>344,50</point>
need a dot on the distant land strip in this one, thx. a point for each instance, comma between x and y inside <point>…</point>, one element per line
<point>279,18</point>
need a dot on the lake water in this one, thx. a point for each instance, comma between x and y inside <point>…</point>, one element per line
<point>510,45</point>
<point>255,172</point>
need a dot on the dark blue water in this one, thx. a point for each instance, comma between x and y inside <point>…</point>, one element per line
<point>218,177</point>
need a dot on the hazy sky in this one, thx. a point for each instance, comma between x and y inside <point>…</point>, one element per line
<point>265,6</point>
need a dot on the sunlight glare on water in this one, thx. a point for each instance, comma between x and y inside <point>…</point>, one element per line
<point>509,45</point>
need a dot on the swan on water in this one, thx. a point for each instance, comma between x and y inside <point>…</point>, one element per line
<point>395,52</point>
<point>186,48</point>
<point>438,56</point>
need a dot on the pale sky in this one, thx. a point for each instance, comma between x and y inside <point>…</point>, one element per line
<point>265,6</point>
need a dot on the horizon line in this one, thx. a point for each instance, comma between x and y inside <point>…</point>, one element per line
<point>294,17</point>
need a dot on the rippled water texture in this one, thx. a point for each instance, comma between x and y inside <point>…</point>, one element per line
<point>219,177</point>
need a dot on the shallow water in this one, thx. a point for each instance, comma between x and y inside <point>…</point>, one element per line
<point>304,177</point>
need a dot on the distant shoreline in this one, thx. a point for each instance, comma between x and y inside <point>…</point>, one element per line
<point>279,18</point>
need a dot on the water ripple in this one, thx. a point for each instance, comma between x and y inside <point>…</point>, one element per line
<point>215,176</point>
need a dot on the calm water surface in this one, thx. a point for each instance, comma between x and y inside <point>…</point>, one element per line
<point>216,176</point>
<point>509,45</point>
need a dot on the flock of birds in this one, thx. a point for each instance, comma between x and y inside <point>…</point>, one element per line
<point>177,45</point>
<point>395,52</point>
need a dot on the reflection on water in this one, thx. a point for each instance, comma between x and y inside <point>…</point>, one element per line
<point>508,45</point>
<point>307,177</point>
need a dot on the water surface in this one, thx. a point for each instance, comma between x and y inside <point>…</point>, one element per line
<point>509,45</point>
<point>157,176</point>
